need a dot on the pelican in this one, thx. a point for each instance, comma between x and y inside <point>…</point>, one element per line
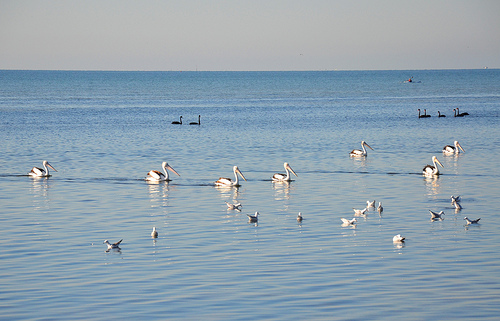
<point>439,114</point>
<point>229,182</point>
<point>196,123</point>
<point>154,233</point>
<point>430,170</point>
<point>299,217</point>
<point>360,153</point>
<point>359,212</point>
<point>157,176</point>
<point>282,177</point>
<point>370,204</point>
<point>253,218</point>
<point>398,239</point>
<point>436,216</point>
<point>348,222</point>
<point>471,221</point>
<point>461,114</point>
<point>178,122</point>
<point>114,245</point>
<point>233,206</point>
<point>39,172</point>
<point>380,209</point>
<point>448,149</point>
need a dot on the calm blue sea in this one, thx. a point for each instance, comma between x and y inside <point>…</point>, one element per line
<point>103,132</point>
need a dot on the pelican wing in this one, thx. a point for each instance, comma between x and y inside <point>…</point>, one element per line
<point>156,175</point>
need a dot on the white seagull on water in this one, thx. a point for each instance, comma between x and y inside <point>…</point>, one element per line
<point>346,222</point>
<point>235,206</point>
<point>154,233</point>
<point>360,212</point>
<point>436,216</point>
<point>299,217</point>
<point>471,221</point>
<point>253,218</point>
<point>398,239</point>
<point>114,245</point>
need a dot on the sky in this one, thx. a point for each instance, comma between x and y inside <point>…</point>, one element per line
<point>249,35</point>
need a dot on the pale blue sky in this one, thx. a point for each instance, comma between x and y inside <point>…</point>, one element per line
<point>249,35</point>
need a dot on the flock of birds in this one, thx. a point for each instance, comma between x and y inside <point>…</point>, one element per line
<point>158,176</point>
<point>456,112</point>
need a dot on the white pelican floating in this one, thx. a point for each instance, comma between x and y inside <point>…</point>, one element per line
<point>154,233</point>
<point>299,217</point>
<point>449,150</point>
<point>236,206</point>
<point>471,221</point>
<point>348,222</point>
<point>436,216</point>
<point>398,239</point>
<point>39,172</point>
<point>282,177</point>
<point>222,181</point>
<point>360,153</point>
<point>370,204</point>
<point>360,212</point>
<point>114,245</point>
<point>196,123</point>
<point>178,122</point>
<point>157,176</point>
<point>253,218</point>
<point>430,170</point>
<point>380,209</point>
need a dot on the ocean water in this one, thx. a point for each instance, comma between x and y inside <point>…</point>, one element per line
<point>103,131</point>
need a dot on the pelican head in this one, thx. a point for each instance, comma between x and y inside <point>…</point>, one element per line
<point>165,166</point>
<point>236,170</point>
<point>457,146</point>
<point>45,163</point>
<point>287,166</point>
<point>365,144</point>
<point>436,161</point>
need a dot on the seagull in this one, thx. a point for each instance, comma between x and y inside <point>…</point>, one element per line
<point>471,221</point>
<point>359,212</point>
<point>299,217</point>
<point>455,199</point>
<point>253,218</point>
<point>457,205</point>
<point>370,204</point>
<point>348,222</point>
<point>154,234</point>
<point>114,245</point>
<point>436,216</point>
<point>398,239</point>
<point>233,206</point>
<point>380,209</point>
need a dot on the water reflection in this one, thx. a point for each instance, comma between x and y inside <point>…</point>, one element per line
<point>229,194</point>
<point>158,193</point>
<point>281,190</point>
<point>432,185</point>
<point>40,191</point>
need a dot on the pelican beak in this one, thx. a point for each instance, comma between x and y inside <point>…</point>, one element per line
<point>51,167</point>
<point>241,174</point>
<point>173,170</point>
<point>291,170</point>
<point>460,146</point>
<point>437,161</point>
<point>368,146</point>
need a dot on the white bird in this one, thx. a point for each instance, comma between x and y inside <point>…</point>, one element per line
<point>456,204</point>
<point>236,206</point>
<point>358,152</point>
<point>348,222</point>
<point>360,212</point>
<point>370,204</point>
<point>154,233</point>
<point>436,216</point>
<point>253,218</point>
<point>222,181</point>
<point>39,172</point>
<point>455,199</point>
<point>432,170</point>
<point>114,245</point>
<point>299,217</point>
<point>157,176</point>
<point>398,239</point>
<point>278,177</point>
<point>380,209</point>
<point>450,150</point>
<point>471,221</point>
